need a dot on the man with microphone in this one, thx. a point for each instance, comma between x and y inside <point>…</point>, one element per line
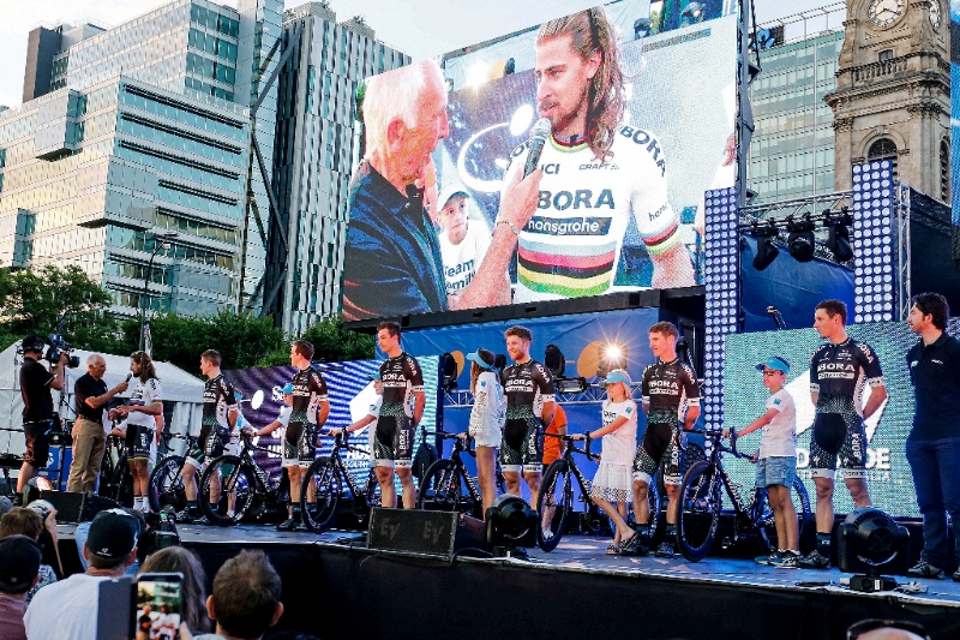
<point>392,264</point>
<point>597,171</point>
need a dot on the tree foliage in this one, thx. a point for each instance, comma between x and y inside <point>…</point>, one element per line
<point>331,343</point>
<point>37,301</point>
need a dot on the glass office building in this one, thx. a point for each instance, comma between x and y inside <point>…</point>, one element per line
<point>100,177</point>
<point>792,152</point>
<point>315,152</point>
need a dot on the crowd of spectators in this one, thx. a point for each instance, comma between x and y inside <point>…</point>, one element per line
<point>243,605</point>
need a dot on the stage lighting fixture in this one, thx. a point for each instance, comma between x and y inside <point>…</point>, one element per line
<point>691,14</point>
<point>641,28</point>
<point>570,385</point>
<point>870,540</point>
<point>554,361</point>
<point>801,242</point>
<point>767,252</point>
<point>612,356</point>
<point>511,525</point>
<point>838,238</point>
<point>510,67</point>
<point>449,365</point>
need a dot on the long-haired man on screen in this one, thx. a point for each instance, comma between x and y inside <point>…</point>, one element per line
<point>392,263</point>
<point>597,171</point>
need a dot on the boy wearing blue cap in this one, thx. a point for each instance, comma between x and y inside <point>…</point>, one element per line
<point>777,460</point>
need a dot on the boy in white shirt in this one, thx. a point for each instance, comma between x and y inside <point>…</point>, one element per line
<point>464,240</point>
<point>777,460</point>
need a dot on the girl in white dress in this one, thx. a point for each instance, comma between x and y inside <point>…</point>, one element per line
<point>613,483</point>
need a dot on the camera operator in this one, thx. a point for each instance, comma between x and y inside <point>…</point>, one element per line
<point>89,439</point>
<point>35,384</point>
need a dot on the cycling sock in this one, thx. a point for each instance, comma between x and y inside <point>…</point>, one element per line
<point>296,514</point>
<point>18,499</point>
<point>671,532</point>
<point>823,544</point>
<point>192,506</point>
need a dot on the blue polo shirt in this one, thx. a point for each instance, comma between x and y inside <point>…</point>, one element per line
<point>935,374</point>
<point>392,263</point>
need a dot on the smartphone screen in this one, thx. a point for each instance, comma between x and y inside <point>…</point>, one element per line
<point>158,606</point>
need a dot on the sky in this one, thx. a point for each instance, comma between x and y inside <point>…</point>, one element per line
<point>421,28</point>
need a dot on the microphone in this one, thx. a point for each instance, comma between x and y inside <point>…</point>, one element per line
<point>129,375</point>
<point>538,137</point>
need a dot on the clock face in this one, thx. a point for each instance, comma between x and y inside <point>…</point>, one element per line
<point>884,13</point>
<point>936,16</point>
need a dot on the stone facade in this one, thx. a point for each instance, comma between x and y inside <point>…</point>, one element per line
<point>893,92</point>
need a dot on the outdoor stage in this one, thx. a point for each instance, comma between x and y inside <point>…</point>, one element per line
<point>334,587</point>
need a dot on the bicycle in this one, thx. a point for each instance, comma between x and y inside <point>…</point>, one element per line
<point>166,480</point>
<point>244,483</point>
<point>323,488</point>
<point>701,501</point>
<point>447,486</point>
<point>556,495</point>
<point>116,479</point>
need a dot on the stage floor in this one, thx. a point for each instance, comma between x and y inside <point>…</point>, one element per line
<point>577,566</point>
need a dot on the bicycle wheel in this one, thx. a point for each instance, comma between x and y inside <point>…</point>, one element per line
<point>444,488</point>
<point>762,514</point>
<point>320,494</point>
<point>229,480</point>
<point>555,505</point>
<point>166,485</point>
<point>699,511</point>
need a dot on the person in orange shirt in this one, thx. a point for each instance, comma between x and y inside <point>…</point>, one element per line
<point>553,447</point>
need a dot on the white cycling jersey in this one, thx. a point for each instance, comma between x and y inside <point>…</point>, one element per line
<point>571,246</point>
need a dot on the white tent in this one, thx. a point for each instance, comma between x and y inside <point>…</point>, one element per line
<point>182,390</point>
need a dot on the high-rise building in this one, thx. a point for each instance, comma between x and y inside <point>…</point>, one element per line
<point>141,186</point>
<point>326,62</point>
<point>172,186</point>
<point>792,151</point>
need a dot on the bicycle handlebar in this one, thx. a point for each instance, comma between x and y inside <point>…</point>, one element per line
<point>569,439</point>
<point>717,436</point>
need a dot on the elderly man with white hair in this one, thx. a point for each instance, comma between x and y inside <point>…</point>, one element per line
<point>89,439</point>
<point>393,264</point>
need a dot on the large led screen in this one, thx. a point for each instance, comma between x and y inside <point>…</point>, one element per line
<point>638,127</point>
<point>955,120</point>
<point>888,473</point>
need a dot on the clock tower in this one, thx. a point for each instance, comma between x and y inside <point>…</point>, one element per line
<point>893,92</point>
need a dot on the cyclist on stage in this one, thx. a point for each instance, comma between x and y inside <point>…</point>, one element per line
<point>669,394</point>
<point>839,371</point>
<point>528,389</point>
<point>219,420</point>
<point>400,411</point>
<point>142,427</point>
<point>310,407</point>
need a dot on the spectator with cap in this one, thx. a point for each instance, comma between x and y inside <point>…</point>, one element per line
<point>19,572</point>
<point>246,598</point>
<point>27,522</point>
<point>67,610</point>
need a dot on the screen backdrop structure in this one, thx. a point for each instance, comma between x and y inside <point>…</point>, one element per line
<point>888,473</point>
<point>351,394</point>
<point>679,85</point>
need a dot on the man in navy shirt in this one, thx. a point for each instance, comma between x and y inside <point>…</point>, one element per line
<point>933,446</point>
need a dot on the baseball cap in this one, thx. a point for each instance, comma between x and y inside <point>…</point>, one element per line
<point>288,389</point>
<point>113,534</point>
<point>484,358</point>
<point>776,363</point>
<point>19,563</point>
<point>618,375</point>
<point>449,190</point>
